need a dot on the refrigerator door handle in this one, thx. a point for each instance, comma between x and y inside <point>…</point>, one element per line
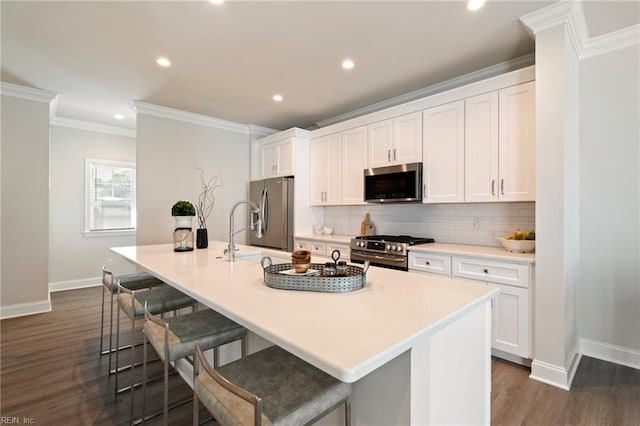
<point>264,210</point>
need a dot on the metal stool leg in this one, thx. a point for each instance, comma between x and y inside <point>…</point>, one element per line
<point>117,350</point>
<point>102,323</point>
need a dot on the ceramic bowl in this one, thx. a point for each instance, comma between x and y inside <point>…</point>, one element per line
<point>518,246</point>
<point>327,230</point>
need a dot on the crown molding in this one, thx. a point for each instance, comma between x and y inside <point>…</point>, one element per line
<point>482,74</point>
<point>571,14</point>
<point>260,131</point>
<point>548,17</point>
<point>187,117</point>
<point>91,126</point>
<point>616,40</point>
<point>28,93</point>
<point>294,132</point>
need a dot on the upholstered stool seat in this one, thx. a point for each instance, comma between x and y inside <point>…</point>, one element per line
<point>133,281</point>
<point>271,386</point>
<point>159,300</point>
<point>176,337</point>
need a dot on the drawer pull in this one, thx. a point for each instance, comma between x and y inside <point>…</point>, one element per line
<point>427,262</point>
<point>485,270</point>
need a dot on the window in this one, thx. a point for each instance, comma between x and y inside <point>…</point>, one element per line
<point>110,196</point>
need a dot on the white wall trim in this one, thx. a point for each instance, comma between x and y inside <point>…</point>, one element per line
<point>28,93</point>
<point>571,14</point>
<point>548,17</point>
<point>611,353</point>
<point>550,374</point>
<point>91,126</point>
<point>22,309</point>
<point>74,284</point>
<point>459,81</point>
<point>188,117</point>
<point>576,356</point>
<point>616,40</point>
<point>260,131</point>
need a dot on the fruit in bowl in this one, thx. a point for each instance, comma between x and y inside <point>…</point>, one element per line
<point>519,241</point>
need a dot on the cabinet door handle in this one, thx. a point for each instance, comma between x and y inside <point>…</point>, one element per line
<point>493,187</point>
<point>502,186</point>
<point>424,190</point>
<point>427,262</point>
<point>395,156</point>
<point>388,155</point>
<point>485,270</point>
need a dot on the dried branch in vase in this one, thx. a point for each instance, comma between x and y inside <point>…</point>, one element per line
<point>206,199</point>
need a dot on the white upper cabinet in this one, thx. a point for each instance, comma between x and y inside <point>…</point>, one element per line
<point>443,152</point>
<point>276,159</point>
<point>517,158</point>
<point>500,145</point>
<point>354,153</point>
<point>336,167</point>
<point>481,148</point>
<point>325,169</point>
<point>395,141</point>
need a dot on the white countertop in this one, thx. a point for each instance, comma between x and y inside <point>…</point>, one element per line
<point>348,335</point>
<point>497,253</point>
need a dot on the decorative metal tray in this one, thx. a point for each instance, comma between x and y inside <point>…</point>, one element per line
<point>354,279</point>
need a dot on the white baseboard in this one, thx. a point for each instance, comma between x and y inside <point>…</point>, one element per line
<point>22,309</point>
<point>550,374</point>
<point>612,353</point>
<point>73,284</point>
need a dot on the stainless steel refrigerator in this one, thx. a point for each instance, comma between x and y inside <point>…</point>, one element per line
<point>275,199</point>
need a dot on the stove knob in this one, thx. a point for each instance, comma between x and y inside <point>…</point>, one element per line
<point>399,248</point>
<point>361,244</point>
<point>389,247</point>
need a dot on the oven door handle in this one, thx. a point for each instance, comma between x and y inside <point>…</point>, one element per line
<point>387,258</point>
<point>378,257</point>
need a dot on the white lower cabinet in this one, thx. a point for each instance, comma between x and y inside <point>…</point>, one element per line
<point>323,248</point>
<point>511,310</point>
<point>511,318</point>
<point>431,263</point>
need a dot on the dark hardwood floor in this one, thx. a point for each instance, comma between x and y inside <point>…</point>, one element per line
<point>50,372</point>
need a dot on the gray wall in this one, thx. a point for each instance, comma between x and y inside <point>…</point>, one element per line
<point>167,153</point>
<point>25,202</point>
<point>609,198</point>
<point>74,256</point>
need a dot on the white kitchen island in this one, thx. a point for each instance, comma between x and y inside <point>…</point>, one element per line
<point>415,347</point>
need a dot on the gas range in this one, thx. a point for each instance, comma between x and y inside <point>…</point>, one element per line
<point>389,251</point>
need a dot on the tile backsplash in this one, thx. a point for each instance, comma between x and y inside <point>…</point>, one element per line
<point>469,223</point>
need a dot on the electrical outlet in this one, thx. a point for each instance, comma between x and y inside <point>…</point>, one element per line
<point>109,262</point>
<point>476,222</point>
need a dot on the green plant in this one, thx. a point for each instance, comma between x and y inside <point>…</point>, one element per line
<point>183,208</point>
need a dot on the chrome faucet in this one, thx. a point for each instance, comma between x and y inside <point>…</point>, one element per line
<point>255,224</point>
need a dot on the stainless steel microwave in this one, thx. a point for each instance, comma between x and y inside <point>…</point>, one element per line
<point>393,184</point>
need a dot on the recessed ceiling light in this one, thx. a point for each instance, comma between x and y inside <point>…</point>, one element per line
<point>347,64</point>
<point>163,62</point>
<point>475,4</point>
<point>217,1</point>
<point>119,117</point>
<point>277,98</point>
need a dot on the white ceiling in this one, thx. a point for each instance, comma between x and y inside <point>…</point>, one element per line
<point>229,60</point>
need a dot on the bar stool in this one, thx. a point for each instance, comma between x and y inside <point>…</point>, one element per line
<point>271,386</point>
<point>160,299</point>
<point>135,281</point>
<point>176,337</point>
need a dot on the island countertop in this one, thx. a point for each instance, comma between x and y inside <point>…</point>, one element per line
<point>348,335</point>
